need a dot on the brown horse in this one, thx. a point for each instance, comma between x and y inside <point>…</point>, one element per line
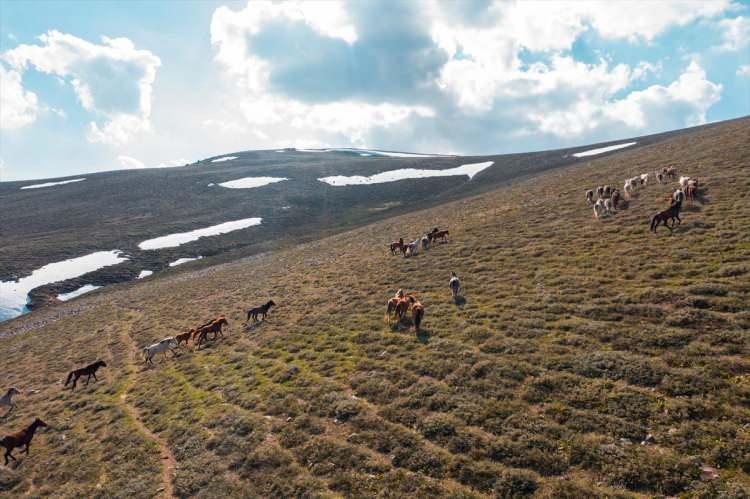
<point>691,190</point>
<point>88,371</point>
<point>615,198</point>
<point>397,245</point>
<point>214,327</point>
<point>197,330</point>
<point>441,234</point>
<point>20,439</point>
<point>184,337</point>
<point>671,213</point>
<point>417,313</point>
<point>398,306</point>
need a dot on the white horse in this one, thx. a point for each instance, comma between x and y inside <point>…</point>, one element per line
<point>167,344</point>
<point>608,206</point>
<point>454,284</point>
<point>644,178</point>
<point>7,399</point>
<point>599,208</point>
<point>684,182</point>
<point>629,187</point>
<point>425,242</point>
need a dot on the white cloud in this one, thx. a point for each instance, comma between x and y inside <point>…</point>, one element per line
<point>113,80</point>
<point>128,162</point>
<point>743,70</point>
<point>18,107</point>
<point>173,162</point>
<point>735,33</point>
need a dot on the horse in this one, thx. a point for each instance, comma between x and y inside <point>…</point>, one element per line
<point>691,190</point>
<point>615,198</point>
<point>168,344</point>
<point>417,313</point>
<point>398,306</point>
<point>684,181</point>
<point>607,191</point>
<point>598,208</point>
<point>600,191</point>
<point>425,242</point>
<point>20,439</point>
<point>607,206</point>
<point>412,248</point>
<point>590,196</point>
<point>678,196</point>
<point>660,177</point>
<point>198,329</point>
<point>262,310</point>
<point>7,399</point>
<point>669,172</point>
<point>671,213</point>
<point>88,371</point>
<point>397,245</point>
<point>454,284</point>
<point>644,178</point>
<point>431,234</point>
<point>184,337</point>
<point>442,235</point>
<point>214,327</point>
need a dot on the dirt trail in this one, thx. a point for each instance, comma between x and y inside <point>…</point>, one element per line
<point>168,461</point>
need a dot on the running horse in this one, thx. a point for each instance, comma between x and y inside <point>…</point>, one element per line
<point>214,327</point>
<point>417,312</point>
<point>20,439</point>
<point>671,213</point>
<point>398,245</point>
<point>441,234</point>
<point>262,310</point>
<point>88,371</point>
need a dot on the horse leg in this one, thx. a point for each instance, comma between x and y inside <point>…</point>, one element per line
<point>88,378</point>
<point>75,380</point>
<point>9,455</point>
<point>94,375</point>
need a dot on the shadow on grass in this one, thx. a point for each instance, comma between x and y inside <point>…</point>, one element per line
<point>250,326</point>
<point>459,301</point>
<point>423,336</point>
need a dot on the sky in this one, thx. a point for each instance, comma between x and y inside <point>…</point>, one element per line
<point>91,86</point>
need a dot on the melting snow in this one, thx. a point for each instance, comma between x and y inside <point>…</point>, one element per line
<point>145,273</point>
<point>183,260</point>
<point>602,150</point>
<point>78,292</point>
<point>50,184</point>
<point>225,158</point>
<point>180,238</point>
<point>250,182</point>
<point>391,176</point>
<point>14,294</point>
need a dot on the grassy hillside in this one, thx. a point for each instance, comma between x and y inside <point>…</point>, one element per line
<point>577,340</point>
<point>118,210</point>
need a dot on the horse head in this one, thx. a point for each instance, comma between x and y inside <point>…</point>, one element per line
<point>38,423</point>
<point>100,363</point>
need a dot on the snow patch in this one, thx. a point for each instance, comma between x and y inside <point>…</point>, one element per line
<point>469,170</point>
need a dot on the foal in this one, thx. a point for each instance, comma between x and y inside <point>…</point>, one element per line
<point>20,439</point>
<point>88,371</point>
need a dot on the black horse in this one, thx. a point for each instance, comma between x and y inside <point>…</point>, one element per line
<point>262,311</point>
<point>671,213</point>
<point>88,371</point>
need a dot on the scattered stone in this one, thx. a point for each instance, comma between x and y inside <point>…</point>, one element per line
<point>709,473</point>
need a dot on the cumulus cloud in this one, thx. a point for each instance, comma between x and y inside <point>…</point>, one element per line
<point>113,80</point>
<point>743,70</point>
<point>735,33</point>
<point>18,107</point>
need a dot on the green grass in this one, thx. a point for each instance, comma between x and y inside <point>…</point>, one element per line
<point>578,338</point>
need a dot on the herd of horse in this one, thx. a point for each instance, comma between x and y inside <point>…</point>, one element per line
<point>412,248</point>
<point>609,197</point>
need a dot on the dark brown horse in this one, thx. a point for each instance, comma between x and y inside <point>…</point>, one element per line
<point>184,337</point>
<point>671,213</point>
<point>417,313</point>
<point>398,245</point>
<point>441,234</point>
<point>262,311</point>
<point>88,371</point>
<point>398,306</point>
<point>20,439</point>
<point>214,327</point>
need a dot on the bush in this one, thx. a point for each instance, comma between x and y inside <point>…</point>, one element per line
<point>513,484</point>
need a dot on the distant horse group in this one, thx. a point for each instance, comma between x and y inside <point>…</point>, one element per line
<point>423,242</point>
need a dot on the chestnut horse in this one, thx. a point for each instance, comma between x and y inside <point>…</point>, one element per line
<point>214,327</point>
<point>398,245</point>
<point>671,213</point>
<point>20,439</point>
<point>441,234</point>
<point>184,337</point>
<point>417,312</point>
<point>88,371</point>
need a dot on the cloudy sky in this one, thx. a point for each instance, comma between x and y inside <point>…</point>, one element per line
<point>89,86</point>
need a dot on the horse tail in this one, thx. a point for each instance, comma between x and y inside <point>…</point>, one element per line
<point>654,222</point>
<point>70,377</point>
<point>388,309</point>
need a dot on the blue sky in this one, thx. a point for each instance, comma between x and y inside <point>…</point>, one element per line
<point>90,86</point>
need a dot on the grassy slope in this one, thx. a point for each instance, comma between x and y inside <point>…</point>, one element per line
<point>578,338</point>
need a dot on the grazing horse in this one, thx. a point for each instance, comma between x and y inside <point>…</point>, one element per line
<point>590,196</point>
<point>262,310</point>
<point>88,371</point>
<point>671,213</point>
<point>168,344</point>
<point>615,198</point>
<point>397,245</point>
<point>20,439</point>
<point>454,284</point>
<point>7,399</point>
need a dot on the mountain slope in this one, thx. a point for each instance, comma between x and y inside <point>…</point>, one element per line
<point>118,210</point>
<point>578,339</point>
